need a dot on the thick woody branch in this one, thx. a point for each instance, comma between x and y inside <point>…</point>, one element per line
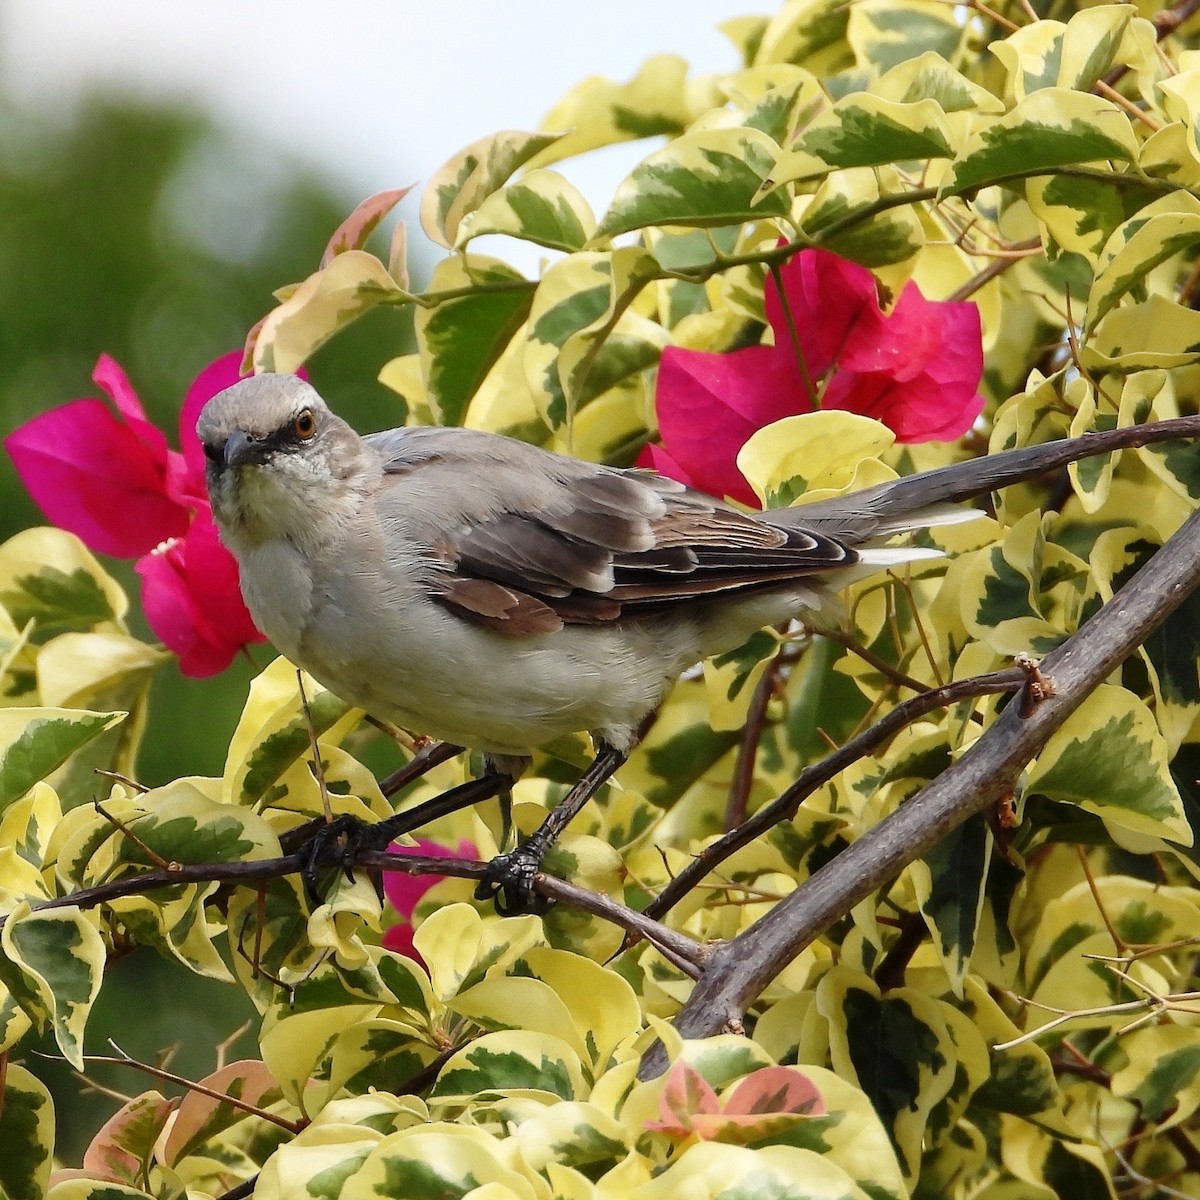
<point>739,970</point>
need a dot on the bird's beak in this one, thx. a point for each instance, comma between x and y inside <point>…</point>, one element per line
<point>241,449</point>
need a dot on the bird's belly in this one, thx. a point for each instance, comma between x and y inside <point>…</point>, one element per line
<point>431,672</point>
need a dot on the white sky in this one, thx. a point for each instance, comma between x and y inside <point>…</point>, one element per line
<point>380,92</point>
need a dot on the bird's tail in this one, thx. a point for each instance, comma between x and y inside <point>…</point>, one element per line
<point>933,497</point>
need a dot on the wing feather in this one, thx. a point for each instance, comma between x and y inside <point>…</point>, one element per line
<point>525,541</point>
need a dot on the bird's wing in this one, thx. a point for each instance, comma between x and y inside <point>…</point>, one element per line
<point>526,541</point>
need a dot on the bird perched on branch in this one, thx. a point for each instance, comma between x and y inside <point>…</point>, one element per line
<point>496,595</point>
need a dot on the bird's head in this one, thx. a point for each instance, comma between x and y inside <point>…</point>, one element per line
<point>279,463</point>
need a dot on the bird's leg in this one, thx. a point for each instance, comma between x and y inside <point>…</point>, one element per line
<point>375,837</point>
<point>509,877</point>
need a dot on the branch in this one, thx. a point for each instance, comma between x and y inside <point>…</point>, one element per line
<point>739,970</point>
<point>785,806</point>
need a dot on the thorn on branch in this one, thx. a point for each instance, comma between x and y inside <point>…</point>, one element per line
<point>1038,687</point>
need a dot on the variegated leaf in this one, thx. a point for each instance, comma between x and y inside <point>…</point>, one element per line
<point>862,130</point>
<point>55,959</point>
<point>1109,759</point>
<point>461,185</point>
<point>1049,129</point>
<point>464,334</point>
<point>542,207</point>
<point>706,177</point>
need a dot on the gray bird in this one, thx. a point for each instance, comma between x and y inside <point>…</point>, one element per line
<point>486,592</point>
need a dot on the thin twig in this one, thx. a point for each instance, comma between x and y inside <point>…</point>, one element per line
<point>784,808</point>
<point>125,1060</point>
<point>752,731</point>
<point>318,767</point>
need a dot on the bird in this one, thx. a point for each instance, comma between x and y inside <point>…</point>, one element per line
<point>496,595</point>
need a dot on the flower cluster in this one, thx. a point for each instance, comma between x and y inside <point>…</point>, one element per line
<point>111,479</point>
<point>916,369</point>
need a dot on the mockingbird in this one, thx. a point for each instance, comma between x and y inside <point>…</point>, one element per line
<point>496,595</point>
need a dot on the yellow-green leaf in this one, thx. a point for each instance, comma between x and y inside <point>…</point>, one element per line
<point>1049,129</point>
<point>1109,759</point>
<point>461,337</point>
<point>1168,226</point>
<point>35,742</point>
<point>461,185</point>
<point>326,302</point>
<point>659,99</point>
<point>862,130</point>
<point>59,957</point>
<point>26,1135</point>
<point>49,577</point>
<point>542,207</point>
<point>811,452</point>
<point>706,177</point>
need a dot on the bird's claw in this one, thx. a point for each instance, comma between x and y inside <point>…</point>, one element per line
<point>508,882</point>
<point>355,835</point>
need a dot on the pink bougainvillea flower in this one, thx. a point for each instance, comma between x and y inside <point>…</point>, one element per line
<point>404,891</point>
<point>111,479</point>
<point>192,599</point>
<point>916,369</point>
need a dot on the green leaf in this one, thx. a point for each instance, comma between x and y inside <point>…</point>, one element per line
<point>514,1060</point>
<point>862,130</point>
<point>950,886</point>
<point>26,1136</point>
<point>896,1046</point>
<point>542,207</point>
<point>1168,226</point>
<point>462,337</point>
<point>35,742</point>
<point>60,957</point>
<point>462,184</point>
<point>1109,759</point>
<point>706,177</point>
<point>49,577</point>
<point>1051,128</point>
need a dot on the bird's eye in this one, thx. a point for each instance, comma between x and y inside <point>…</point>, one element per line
<point>305,424</point>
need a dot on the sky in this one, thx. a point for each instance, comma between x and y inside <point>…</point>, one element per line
<point>378,92</point>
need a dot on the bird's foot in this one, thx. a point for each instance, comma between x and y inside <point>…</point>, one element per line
<point>509,878</point>
<point>355,836</point>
